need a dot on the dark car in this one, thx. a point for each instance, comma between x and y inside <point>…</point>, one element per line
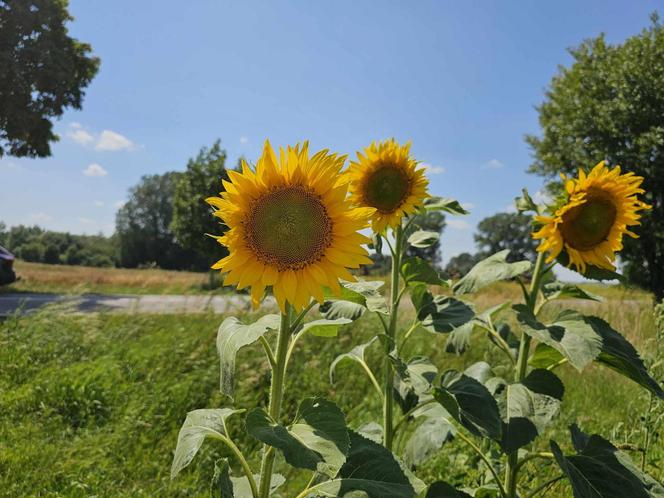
<point>7,275</point>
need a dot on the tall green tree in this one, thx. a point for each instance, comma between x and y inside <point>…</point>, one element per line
<point>43,71</point>
<point>192,217</point>
<point>506,231</point>
<point>609,104</point>
<point>143,226</point>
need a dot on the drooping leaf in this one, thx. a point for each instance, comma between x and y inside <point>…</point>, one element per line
<point>560,290</point>
<point>232,336</point>
<point>443,204</point>
<point>198,425</point>
<point>355,299</point>
<point>416,269</point>
<point>423,238</point>
<point>529,408</point>
<point>441,489</point>
<point>317,440</point>
<point>337,308</point>
<point>422,300</point>
<point>525,203</point>
<point>544,356</point>
<point>324,327</point>
<point>490,270</point>
<point>480,371</point>
<point>412,380</point>
<point>369,290</point>
<point>459,338</point>
<point>242,489</point>
<point>356,354</point>
<point>434,430</point>
<point>373,431</point>
<point>470,404</point>
<point>221,480</point>
<point>618,354</point>
<point>592,272</point>
<point>371,469</point>
<point>447,313</point>
<point>570,334</point>
<point>600,470</point>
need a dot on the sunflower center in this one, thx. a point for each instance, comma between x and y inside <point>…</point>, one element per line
<point>289,228</point>
<point>386,188</point>
<point>589,224</point>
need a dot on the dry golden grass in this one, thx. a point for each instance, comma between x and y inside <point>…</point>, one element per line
<point>36,277</point>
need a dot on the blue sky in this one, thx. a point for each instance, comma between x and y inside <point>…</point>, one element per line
<point>459,79</point>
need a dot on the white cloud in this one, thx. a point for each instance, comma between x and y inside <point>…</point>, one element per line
<point>41,217</point>
<point>493,164</point>
<point>432,170</point>
<point>99,204</point>
<point>95,170</point>
<point>111,140</point>
<point>79,135</point>
<point>244,140</point>
<point>458,224</point>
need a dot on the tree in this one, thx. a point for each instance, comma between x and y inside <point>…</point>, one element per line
<point>460,264</point>
<point>143,226</point>
<point>506,231</point>
<point>44,71</point>
<point>433,221</point>
<point>610,105</point>
<point>192,217</point>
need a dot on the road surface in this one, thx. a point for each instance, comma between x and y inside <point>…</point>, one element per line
<point>86,303</point>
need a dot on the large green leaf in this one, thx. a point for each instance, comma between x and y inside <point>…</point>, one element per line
<point>618,354</point>
<point>560,290</point>
<point>226,486</point>
<point>370,469</point>
<point>412,380</point>
<point>369,291</point>
<point>355,299</point>
<point>198,425</point>
<point>416,269</point>
<point>445,314</point>
<point>444,204</point>
<point>324,327</point>
<point>470,404</point>
<point>529,408</point>
<point>490,270</point>
<point>232,336</point>
<point>317,440</point>
<point>600,470</point>
<point>423,238</point>
<point>544,356</point>
<point>591,272</point>
<point>434,430</point>
<point>570,334</point>
<point>459,338</point>
<point>242,489</point>
<point>356,354</point>
<point>441,489</point>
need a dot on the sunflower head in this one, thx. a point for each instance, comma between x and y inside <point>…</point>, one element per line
<point>596,212</point>
<point>290,226</point>
<point>384,177</point>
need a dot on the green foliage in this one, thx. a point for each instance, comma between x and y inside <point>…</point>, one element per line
<point>460,264</point>
<point>424,236</point>
<point>490,270</point>
<point>44,72</point>
<point>192,217</point>
<point>608,105</point>
<point>511,231</point>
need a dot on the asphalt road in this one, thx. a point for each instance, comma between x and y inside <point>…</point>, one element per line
<point>88,303</point>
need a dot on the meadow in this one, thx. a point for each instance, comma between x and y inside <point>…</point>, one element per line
<point>90,405</point>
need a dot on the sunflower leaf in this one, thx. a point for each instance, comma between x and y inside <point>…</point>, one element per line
<point>459,338</point>
<point>441,489</point>
<point>356,354</point>
<point>592,272</point>
<point>417,270</point>
<point>423,238</point>
<point>444,204</point>
<point>433,432</point>
<point>445,314</point>
<point>232,336</point>
<point>324,328</point>
<point>560,290</point>
<point>525,203</point>
<point>490,270</point>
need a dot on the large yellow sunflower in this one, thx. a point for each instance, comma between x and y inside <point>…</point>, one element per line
<point>291,226</point>
<point>385,178</point>
<point>590,226</point>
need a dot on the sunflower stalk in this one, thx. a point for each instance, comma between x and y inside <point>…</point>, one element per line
<point>276,398</point>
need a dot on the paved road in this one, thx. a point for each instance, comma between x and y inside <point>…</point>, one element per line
<point>87,303</point>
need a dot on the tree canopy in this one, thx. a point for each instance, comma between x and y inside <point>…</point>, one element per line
<point>44,71</point>
<point>609,104</point>
<point>506,231</point>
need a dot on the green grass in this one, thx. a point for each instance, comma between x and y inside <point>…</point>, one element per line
<point>91,405</point>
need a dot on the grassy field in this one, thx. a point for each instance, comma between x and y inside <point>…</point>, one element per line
<point>64,279</point>
<point>91,405</point>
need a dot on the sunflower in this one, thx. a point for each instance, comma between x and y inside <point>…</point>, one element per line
<point>290,226</point>
<point>589,227</point>
<point>385,178</point>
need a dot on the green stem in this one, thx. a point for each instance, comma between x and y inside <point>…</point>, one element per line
<point>407,415</point>
<point>512,469</point>
<point>548,483</point>
<point>388,399</point>
<point>413,328</point>
<point>485,459</point>
<point>532,456</point>
<point>276,398</point>
<point>245,466</point>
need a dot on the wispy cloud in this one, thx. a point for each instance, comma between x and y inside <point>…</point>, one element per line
<point>40,217</point>
<point>432,170</point>
<point>493,164</point>
<point>95,170</point>
<point>107,140</point>
<point>244,140</point>
<point>458,224</point>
